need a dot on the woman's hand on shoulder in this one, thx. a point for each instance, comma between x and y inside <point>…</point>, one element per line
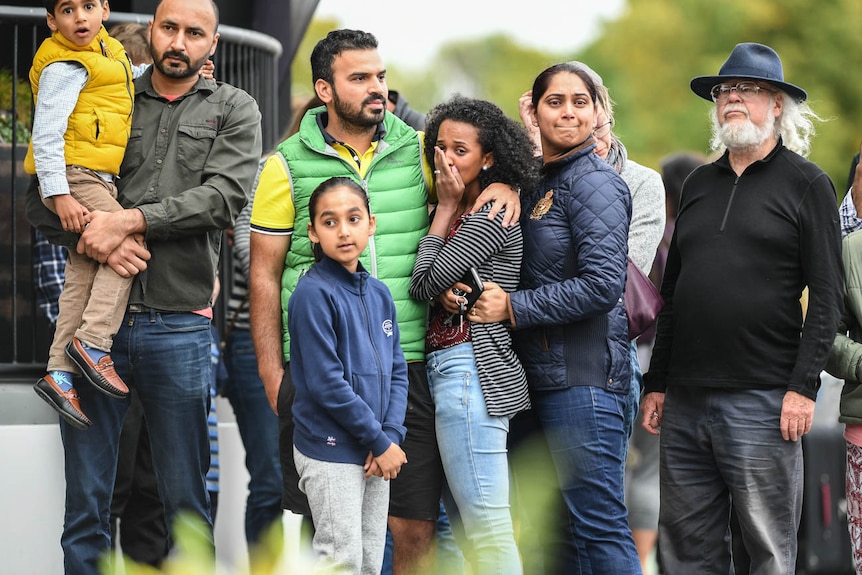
<point>503,196</point>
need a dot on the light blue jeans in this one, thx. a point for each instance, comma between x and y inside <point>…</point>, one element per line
<point>473,450</point>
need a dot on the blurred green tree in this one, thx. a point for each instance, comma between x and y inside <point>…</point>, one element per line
<point>647,57</point>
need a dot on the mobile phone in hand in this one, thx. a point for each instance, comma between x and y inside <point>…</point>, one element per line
<point>472,279</point>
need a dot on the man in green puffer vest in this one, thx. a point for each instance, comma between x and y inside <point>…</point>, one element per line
<point>353,136</point>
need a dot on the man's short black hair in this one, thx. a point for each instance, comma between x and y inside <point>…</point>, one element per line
<point>332,45</point>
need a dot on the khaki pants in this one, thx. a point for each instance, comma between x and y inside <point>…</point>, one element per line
<point>94,297</point>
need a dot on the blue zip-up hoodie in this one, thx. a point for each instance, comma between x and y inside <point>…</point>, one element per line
<point>346,364</point>
<point>571,322</point>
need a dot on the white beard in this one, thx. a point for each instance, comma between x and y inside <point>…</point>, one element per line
<point>741,136</point>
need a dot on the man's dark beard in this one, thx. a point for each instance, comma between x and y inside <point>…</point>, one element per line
<point>360,119</point>
<point>191,69</point>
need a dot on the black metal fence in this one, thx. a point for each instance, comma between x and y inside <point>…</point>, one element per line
<point>244,58</point>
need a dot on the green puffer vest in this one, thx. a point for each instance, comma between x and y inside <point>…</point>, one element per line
<point>398,194</point>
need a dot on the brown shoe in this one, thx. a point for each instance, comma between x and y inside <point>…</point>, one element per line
<point>101,374</point>
<point>65,402</point>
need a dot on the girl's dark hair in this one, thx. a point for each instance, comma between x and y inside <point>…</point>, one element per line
<point>514,162</point>
<point>325,187</point>
<point>543,80</point>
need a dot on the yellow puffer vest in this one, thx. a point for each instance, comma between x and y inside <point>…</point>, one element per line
<point>99,125</point>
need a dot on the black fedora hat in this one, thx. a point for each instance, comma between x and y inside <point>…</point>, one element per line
<point>749,61</point>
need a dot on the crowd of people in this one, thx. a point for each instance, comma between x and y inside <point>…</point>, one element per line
<point>418,300</point>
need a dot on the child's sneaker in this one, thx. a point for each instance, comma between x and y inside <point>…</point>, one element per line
<point>65,402</point>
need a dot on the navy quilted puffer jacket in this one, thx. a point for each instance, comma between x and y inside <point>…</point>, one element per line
<point>571,323</point>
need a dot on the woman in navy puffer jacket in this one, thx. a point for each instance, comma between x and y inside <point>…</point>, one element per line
<point>571,328</point>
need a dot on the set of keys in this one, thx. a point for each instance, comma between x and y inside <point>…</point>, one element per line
<point>462,311</point>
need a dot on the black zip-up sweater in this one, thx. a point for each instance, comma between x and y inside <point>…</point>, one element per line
<point>742,252</point>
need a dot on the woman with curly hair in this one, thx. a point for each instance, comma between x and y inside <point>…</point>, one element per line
<point>476,381</point>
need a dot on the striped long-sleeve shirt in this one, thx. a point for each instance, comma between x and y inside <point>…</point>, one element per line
<point>496,253</point>
<point>237,307</point>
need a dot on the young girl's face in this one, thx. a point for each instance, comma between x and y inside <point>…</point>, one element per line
<point>342,225</point>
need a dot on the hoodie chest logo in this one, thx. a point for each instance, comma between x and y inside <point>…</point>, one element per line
<point>542,206</point>
<point>387,327</point>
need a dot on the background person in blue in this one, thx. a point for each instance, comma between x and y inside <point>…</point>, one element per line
<point>350,377</point>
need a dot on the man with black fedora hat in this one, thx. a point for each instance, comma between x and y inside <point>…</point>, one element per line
<point>735,367</point>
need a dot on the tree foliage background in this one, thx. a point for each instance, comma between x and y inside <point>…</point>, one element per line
<point>647,58</point>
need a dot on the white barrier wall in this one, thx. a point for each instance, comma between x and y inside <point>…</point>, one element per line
<point>32,495</point>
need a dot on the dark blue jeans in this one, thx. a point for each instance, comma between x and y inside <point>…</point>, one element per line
<point>584,428</point>
<point>166,358</point>
<point>720,445</point>
<point>258,427</point>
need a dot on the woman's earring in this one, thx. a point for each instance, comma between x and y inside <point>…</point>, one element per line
<point>485,168</point>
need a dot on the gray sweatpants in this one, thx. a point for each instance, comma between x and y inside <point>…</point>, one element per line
<point>349,514</point>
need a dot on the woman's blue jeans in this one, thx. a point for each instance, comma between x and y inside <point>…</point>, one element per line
<point>585,433</point>
<point>473,449</point>
<point>258,427</point>
<point>166,358</point>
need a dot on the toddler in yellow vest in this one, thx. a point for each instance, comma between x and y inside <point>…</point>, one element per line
<point>81,80</point>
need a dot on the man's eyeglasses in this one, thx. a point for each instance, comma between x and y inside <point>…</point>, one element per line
<point>746,90</point>
<point>602,130</point>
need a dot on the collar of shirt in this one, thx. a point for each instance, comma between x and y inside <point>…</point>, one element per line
<point>360,160</point>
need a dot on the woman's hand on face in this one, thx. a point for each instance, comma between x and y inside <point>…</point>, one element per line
<point>450,186</point>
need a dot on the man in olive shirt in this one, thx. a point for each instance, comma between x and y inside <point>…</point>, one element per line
<point>190,161</point>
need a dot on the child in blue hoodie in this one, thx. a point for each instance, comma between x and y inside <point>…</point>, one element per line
<point>350,378</point>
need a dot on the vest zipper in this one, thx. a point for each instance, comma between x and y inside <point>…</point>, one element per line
<point>372,246</point>
<point>380,382</point>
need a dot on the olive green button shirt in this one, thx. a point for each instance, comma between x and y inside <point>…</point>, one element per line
<point>189,166</point>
